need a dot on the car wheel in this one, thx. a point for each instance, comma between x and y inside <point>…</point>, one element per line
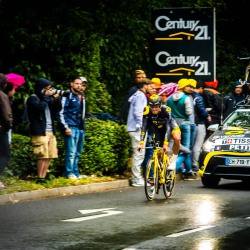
<point>210,182</point>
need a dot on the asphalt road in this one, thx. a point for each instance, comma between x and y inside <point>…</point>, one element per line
<point>194,218</point>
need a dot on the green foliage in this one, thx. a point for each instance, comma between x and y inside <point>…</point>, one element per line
<point>107,150</point>
<point>104,41</point>
<point>23,162</point>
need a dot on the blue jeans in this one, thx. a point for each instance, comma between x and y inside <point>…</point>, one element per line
<point>4,150</point>
<point>184,158</point>
<point>73,149</point>
<point>193,131</point>
<point>199,140</point>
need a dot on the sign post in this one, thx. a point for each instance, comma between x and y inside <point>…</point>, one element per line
<point>184,44</point>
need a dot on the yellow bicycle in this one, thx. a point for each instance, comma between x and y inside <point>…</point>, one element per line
<point>158,175</point>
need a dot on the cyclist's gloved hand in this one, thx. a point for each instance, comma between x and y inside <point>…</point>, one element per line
<point>140,146</point>
<point>166,148</point>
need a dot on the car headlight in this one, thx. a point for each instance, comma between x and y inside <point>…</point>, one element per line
<point>208,146</point>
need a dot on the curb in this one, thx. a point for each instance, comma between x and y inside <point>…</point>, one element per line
<point>63,191</point>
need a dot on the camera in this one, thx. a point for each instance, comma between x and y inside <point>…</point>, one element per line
<point>60,92</point>
<point>57,91</point>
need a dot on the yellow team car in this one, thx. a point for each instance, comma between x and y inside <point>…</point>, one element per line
<point>226,153</point>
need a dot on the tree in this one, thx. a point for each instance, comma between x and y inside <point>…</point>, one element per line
<point>104,41</point>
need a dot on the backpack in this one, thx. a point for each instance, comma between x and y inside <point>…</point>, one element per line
<point>25,116</point>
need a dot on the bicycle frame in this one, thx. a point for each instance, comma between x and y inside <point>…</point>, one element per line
<point>157,174</point>
<point>161,161</point>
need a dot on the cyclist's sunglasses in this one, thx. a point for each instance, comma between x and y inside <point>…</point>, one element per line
<point>155,106</point>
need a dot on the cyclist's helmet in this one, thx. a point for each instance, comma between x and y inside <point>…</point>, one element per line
<point>154,100</point>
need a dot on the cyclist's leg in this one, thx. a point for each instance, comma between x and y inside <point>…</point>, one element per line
<point>151,180</point>
<point>176,135</point>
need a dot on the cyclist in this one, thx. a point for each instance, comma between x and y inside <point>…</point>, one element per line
<point>160,126</point>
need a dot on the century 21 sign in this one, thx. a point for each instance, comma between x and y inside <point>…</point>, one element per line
<point>184,44</point>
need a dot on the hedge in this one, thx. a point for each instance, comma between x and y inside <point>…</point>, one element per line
<point>107,151</point>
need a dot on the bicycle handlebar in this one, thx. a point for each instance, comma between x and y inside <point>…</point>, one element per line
<point>154,147</point>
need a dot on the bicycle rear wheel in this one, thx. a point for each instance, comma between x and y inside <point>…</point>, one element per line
<point>151,180</point>
<point>168,186</point>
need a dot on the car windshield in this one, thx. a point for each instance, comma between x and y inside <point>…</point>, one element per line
<point>239,118</point>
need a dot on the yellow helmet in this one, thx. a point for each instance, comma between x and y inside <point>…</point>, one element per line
<point>154,100</point>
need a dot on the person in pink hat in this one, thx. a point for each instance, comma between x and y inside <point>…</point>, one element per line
<point>166,91</point>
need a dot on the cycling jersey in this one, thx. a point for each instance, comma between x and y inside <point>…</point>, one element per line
<point>160,126</point>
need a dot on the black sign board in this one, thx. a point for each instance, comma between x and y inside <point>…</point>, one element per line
<point>184,44</point>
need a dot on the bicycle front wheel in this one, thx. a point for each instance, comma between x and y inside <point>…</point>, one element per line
<point>151,180</point>
<point>168,186</point>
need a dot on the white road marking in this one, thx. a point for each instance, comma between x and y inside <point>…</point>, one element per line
<point>189,231</point>
<point>104,211</point>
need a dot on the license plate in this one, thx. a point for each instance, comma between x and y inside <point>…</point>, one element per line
<point>237,161</point>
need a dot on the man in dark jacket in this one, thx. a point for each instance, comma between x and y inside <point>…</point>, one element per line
<point>72,122</point>
<point>6,120</point>
<point>201,116</point>
<point>232,100</point>
<point>41,108</point>
<point>213,103</point>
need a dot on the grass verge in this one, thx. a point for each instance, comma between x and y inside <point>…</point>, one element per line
<point>14,184</point>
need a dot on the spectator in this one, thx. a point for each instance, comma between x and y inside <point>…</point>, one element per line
<point>165,92</point>
<point>190,90</point>
<point>41,108</point>
<point>151,91</point>
<point>201,115</point>
<point>10,92</point>
<point>181,109</point>
<point>213,102</point>
<point>138,76</point>
<point>6,121</point>
<point>134,123</point>
<point>82,126</point>
<point>232,100</point>
<point>72,122</point>
<point>157,83</point>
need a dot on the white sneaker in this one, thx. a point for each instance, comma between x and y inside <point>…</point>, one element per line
<point>138,183</point>
<point>172,166</point>
<point>172,160</point>
<point>72,177</point>
<point>2,186</point>
<point>82,176</point>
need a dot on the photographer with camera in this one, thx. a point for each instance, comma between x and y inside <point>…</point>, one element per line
<point>72,122</point>
<point>41,109</point>
<point>58,92</point>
